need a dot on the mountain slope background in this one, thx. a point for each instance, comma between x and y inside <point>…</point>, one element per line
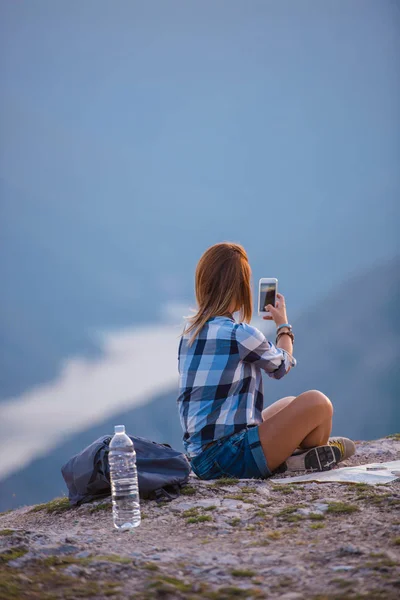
<point>348,346</point>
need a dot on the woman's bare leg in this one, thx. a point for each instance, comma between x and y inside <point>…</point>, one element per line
<point>276,407</point>
<point>304,421</point>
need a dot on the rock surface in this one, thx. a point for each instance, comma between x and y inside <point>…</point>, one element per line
<point>218,540</point>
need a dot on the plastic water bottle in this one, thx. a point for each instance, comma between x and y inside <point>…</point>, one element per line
<point>124,481</point>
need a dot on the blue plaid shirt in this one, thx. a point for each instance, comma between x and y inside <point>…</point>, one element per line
<point>220,384</point>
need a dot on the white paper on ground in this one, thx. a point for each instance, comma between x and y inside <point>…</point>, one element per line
<point>384,472</point>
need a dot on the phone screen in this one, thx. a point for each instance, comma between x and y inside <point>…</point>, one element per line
<point>267,295</point>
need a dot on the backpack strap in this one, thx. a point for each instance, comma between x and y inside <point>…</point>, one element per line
<point>163,495</point>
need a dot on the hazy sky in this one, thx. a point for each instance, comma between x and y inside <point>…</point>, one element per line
<point>284,113</point>
<point>135,134</point>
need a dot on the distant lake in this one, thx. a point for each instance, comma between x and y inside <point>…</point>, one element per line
<point>137,364</point>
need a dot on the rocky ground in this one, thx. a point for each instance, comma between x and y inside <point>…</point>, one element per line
<point>220,540</point>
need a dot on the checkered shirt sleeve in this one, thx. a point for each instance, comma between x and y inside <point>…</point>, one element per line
<point>255,348</point>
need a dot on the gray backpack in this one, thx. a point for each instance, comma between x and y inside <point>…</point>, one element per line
<point>161,471</point>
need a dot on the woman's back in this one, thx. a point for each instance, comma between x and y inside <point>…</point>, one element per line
<point>220,386</point>
<point>226,429</point>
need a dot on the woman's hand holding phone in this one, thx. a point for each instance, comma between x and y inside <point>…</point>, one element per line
<point>278,312</point>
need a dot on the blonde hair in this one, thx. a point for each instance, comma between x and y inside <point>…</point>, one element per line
<point>223,277</point>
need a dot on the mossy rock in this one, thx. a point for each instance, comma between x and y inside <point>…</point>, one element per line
<point>12,554</point>
<point>58,505</point>
<point>103,506</point>
<point>4,532</point>
<point>394,436</point>
<point>50,584</point>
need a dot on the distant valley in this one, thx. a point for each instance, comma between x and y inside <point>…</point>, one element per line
<point>347,346</point>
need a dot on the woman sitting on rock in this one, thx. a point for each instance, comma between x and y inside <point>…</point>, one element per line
<point>226,430</point>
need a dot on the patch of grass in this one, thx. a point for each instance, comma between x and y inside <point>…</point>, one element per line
<point>114,558</point>
<point>199,519</point>
<point>287,514</point>
<point>248,490</point>
<point>62,561</point>
<point>12,554</point>
<point>7,531</point>
<point>178,583</point>
<point>190,512</point>
<point>394,502</point>
<point>50,584</point>
<point>394,436</point>
<point>293,518</point>
<point>375,498</point>
<point>379,500</point>
<point>283,489</point>
<point>234,522</point>
<point>6,512</point>
<point>341,508</point>
<point>260,513</point>
<point>288,510</point>
<point>317,526</point>
<point>225,481</point>
<point>362,487</point>
<point>57,505</point>
<point>251,528</point>
<point>316,517</point>
<point>163,585</point>
<point>274,535</point>
<point>240,497</point>
<point>10,587</point>
<point>150,566</point>
<point>381,564</point>
<point>396,541</point>
<point>188,490</point>
<point>100,507</point>
<point>243,573</point>
<point>212,507</point>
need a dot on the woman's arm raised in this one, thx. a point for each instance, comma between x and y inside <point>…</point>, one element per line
<point>279,315</point>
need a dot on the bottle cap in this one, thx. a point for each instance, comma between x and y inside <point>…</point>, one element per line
<point>119,429</point>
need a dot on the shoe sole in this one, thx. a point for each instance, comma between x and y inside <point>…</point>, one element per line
<point>321,458</point>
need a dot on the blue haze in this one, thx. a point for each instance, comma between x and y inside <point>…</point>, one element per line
<point>135,134</point>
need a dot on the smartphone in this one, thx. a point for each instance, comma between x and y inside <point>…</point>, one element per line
<point>267,290</point>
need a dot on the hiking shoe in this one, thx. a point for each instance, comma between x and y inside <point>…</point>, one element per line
<point>347,447</point>
<point>320,458</point>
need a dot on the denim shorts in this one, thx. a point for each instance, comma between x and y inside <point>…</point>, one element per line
<point>239,455</point>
